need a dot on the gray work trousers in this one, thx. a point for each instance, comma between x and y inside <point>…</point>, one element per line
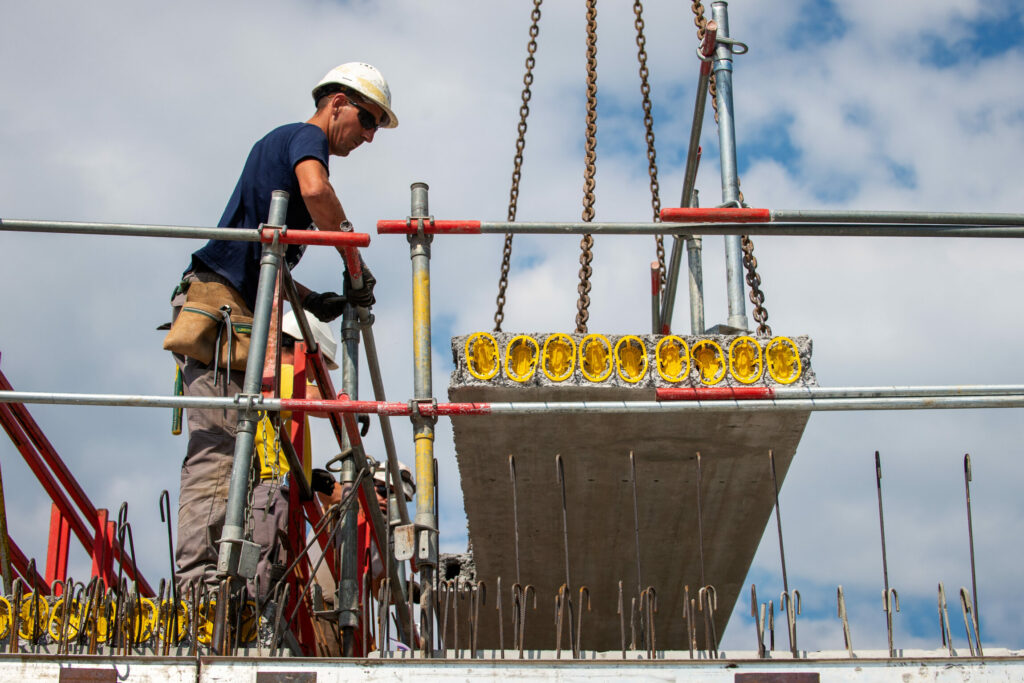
<point>206,470</point>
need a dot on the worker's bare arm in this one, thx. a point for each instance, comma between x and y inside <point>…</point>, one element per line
<point>321,201</point>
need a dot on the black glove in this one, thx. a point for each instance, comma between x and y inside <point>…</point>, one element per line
<point>364,423</point>
<point>322,482</point>
<point>361,297</point>
<point>325,305</point>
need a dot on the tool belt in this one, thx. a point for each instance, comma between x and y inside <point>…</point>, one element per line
<point>213,326</point>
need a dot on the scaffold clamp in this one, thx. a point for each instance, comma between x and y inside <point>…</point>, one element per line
<point>420,231</point>
<point>416,413</point>
<point>248,402</point>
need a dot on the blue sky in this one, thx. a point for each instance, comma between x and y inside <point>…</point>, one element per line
<point>144,113</point>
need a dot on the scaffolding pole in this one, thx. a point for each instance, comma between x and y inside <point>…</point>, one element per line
<point>729,168</point>
<point>262,234</point>
<point>693,243</point>
<point>423,423</point>
<point>825,228</point>
<point>669,400</point>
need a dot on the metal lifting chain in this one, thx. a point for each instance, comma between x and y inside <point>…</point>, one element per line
<point>652,163</point>
<point>587,243</point>
<point>760,313</point>
<point>517,163</point>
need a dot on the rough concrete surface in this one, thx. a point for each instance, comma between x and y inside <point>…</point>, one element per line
<point>736,494</point>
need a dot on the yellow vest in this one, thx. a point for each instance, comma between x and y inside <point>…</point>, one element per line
<point>273,462</point>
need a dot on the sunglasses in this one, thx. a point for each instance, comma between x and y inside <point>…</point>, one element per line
<point>382,490</point>
<point>366,119</point>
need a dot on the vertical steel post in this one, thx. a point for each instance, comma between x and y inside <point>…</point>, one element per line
<point>426,524</point>
<point>730,176</point>
<point>347,598</point>
<point>231,539</point>
<point>696,282</point>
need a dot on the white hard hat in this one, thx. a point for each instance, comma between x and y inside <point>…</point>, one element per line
<point>365,80</point>
<point>380,473</point>
<point>322,335</point>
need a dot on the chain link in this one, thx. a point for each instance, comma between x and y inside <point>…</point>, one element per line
<point>587,243</point>
<point>754,282</point>
<point>760,313</point>
<point>517,163</point>
<point>652,162</point>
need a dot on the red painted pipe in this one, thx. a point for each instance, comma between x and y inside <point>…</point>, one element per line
<point>409,227</point>
<point>35,463</point>
<point>699,215</point>
<point>714,393</point>
<point>21,564</point>
<point>390,408</point>
<point>39,453</point>
<point>50,456</point>
<point>707,47</point>
<point>333,238</point>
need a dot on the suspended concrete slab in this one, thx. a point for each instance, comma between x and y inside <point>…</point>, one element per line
<point>736,490</point>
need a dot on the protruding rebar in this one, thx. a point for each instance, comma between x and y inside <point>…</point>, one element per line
<point>700,521</point>
<point>841,613</point>
<point>970,538</point>
<point>636,532</point>
<point>947,639</point>
<point>560,474</point>
<point>889,597</point>
<point>758,616</point>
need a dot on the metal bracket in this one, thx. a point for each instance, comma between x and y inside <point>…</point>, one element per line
<point>405,541</point>
<point>248,402</point>
<point>416,414</point>
<point>735,46</point>
<point>248,556</point>
<point>419,225</point>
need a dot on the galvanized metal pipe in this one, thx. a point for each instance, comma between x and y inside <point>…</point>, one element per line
<point>760,215</point>
<point>697,394</point>
<point>729,171</point>
<point>688,197</point>
<point>695,279</point>
<point>315,237</point>
<point>234,517</point>
<point>795,228</point>
<point>347,596</point>
<point>373,365</point>
<point>810,402</point>
<point>423,426</point>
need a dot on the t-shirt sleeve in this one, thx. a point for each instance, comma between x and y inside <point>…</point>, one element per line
<point>309,142</point>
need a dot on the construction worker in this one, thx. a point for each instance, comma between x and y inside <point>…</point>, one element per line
<point>369,560</point>
<point>352,101</point>
<point>271,494</point>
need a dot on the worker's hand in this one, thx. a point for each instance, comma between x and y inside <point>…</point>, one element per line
<point>322,482</point>
<point>325,305</point>
<point>364,424</point>
<point>364,296</point>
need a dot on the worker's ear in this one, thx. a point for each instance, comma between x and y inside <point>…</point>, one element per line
<point>338,103</point>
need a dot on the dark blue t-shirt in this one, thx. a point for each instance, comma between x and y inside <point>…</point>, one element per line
<point>270,166</point>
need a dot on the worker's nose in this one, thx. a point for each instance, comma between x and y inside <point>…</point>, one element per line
<point>368,134</point>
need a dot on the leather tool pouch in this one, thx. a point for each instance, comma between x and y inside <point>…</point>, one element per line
<point>202,330</point>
